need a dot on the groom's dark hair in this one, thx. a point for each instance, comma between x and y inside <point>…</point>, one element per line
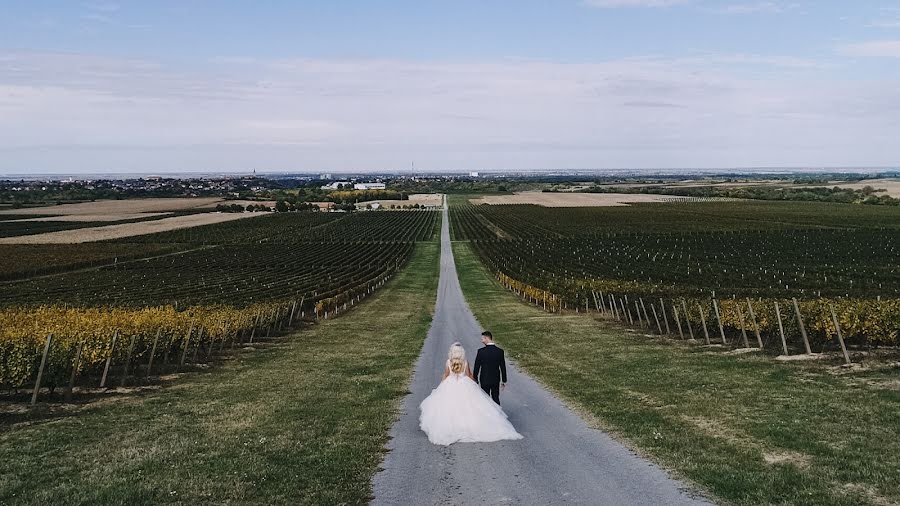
<point>488,334</point>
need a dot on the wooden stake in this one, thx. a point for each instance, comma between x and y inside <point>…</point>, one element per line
<point>127,361</point>
<point>719,319</point>
<point>112,348</point>
<point>687,321</point>
<point>187,342</point>
<point>646,316</point>
<point>153,351</point>
<point>837,327</point>
<point>71,388</point>
<point>703,321</point>
<point>655,317</point>
<point>743,330</point>
<point>256,323</point>
<point>802,326</point>
<point>37,383</point>
<point>662,307</point>
<point>781,328</point>
<point>677,321</point>
<point>755,324</point>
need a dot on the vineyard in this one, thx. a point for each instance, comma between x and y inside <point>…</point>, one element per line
<point>715,268</point>
<point>195,291</point>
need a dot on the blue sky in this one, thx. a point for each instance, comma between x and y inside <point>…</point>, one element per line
<point>198,85</point>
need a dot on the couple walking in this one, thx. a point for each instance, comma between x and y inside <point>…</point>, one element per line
<point>461,411</point>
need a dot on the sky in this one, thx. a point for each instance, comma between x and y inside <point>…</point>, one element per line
<point>200,85</point>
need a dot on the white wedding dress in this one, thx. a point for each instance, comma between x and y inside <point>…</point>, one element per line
<point>458,411</point>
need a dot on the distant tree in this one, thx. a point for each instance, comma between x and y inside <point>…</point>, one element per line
<point>281,206</point>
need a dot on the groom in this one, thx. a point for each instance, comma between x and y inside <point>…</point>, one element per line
<point>489,362</point>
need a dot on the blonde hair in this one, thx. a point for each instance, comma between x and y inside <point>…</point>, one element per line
<point>457,358</point>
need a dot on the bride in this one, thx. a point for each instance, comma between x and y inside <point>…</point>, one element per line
<point>458,410</point>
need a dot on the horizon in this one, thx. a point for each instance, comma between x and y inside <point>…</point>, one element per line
<point>125,87</point>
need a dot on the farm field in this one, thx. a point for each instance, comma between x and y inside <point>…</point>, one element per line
<point>433,199</point>
<point>891,186</point>
<point>574,199</point>
<point>120,230</point>
<point>749,429</point>
<point>301,420</point>
<point>201,286</point>
<point>125,207</point>
<point>824,254</point>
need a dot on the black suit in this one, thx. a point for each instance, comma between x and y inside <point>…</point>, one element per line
<point>490,370</point>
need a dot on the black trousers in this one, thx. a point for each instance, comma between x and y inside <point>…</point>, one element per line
<point>493,391</point>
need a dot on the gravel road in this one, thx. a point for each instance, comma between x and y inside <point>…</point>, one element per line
<point>560,461</point>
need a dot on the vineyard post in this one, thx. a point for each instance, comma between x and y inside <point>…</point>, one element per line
<point>837,327</point>
<point>755,324</point>
<point>719,320</point>
<point>197,348</point>
<point>209,349</point>
<point>112,348</point>
<point>128,360</point>
<point>291,318</point>
<point>656,317</point>
<point>781,328</point>
<point>703,321</point>
<point>677,321</point>
<point>256,322</point>
<point>37,382</point>
<point>627,311</point>
<point>802,326</point>
<point>662,307</point>
<point>224,333</point>
<point>187,341</point>
<point>687,320</point>
<point>637,309</point>
<point>153,351</point>
<point>612,304</point>
<point>168,350</point>
<point>646,316</point>
<point>68,395</point>
<point>743,330</point>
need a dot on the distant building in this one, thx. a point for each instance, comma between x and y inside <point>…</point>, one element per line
<point>369,186</point>
<point>473,174</point>
<point>324,206</point>
<point>338,185</point>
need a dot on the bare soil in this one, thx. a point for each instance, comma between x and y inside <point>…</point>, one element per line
<point>103,233</point>
<point>574,199</point>
<point>120,207</point>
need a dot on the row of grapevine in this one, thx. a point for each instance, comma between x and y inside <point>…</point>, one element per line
<point>806,325</point>
<point>227,284</point>
<point>558,258</point>
<point>85,340</point>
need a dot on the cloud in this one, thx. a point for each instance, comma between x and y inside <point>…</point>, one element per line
<point>871,49</point>
<point>88,112</point>
<point>755,8</point>
<point>634,3</point>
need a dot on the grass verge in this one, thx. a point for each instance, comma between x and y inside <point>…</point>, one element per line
<point>304,422</point>
<point>749,430</point>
